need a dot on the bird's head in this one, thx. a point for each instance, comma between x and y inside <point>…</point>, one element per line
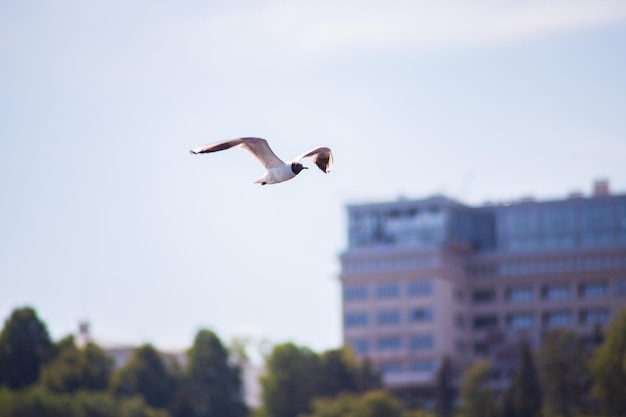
<point>296,167</point>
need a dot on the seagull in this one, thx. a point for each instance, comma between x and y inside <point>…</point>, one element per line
<point>276,169</point>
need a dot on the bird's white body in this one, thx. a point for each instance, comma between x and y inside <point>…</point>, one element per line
<point>276,169</point>
<point>276,174</point>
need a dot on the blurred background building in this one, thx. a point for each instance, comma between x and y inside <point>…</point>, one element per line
<point>426,278</point>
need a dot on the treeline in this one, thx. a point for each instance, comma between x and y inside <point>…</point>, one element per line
<point>39,377</point>
<point>568,377</point>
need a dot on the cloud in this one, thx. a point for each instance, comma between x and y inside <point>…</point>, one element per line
<point>331,26</point>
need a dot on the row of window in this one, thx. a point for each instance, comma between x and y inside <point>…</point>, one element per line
<point>561,218</point>
<point>530,243</point>
<point>418,367</point>
<point>389,317</point>
<point>413,288</point>
<point>386,265</point>
<point>527,320</point>
<point>553,266</point>
<point>551,292</point>
<point>391,343</point>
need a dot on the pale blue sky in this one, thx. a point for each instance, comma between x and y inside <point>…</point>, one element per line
<point>105,214</point>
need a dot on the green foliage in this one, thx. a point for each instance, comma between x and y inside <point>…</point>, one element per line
<point>291,380</point>
<point>40,403</point>
<point>564,376</point>
<point>477,397</point>
<point>144,374</point>
<point>338,372</point>
<point>523,398</point>
<point>72,380</point>
<point>213,386</point>
<point>367,377</point>
<point>296,375</point>
<point>419,413</point>
<point>24,347</point>
<point>376,403</point>
<point>64,373</point>
<point>608,368</point>
<point>98,367</point>
<point>73,369</point>
<point>379,403</point>
<point>444,390</point>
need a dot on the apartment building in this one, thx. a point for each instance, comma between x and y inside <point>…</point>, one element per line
<point>432,277</point>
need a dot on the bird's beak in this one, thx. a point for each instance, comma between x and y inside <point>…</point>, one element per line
<point>303,167</point>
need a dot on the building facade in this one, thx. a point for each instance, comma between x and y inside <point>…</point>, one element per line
<point>426,278</point>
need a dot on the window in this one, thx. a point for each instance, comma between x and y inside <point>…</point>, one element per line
<point>523,221</point>
<point>521,321</point>
<point>485,322</point>
<point>557,241</point>
<point>596,289</point>
<point>355,292</point>
<point>387,317</point>
<point>595,316</point>
<point>421,314</point>
<point>523,243</point>
<point>391,368</point>
<point>360,346</point>
<point>388,290</point>
<point>597,239</point>
<point>419,288</point>
<point>596,216</point>
<point>389,343</point>
<point>558,318</point>
<point>557,292</point>
<point>483,296</point>
<point>356,319</point>
<point>520,294</point>
<point>620,287</point>
<point>558,219</point>
<point>421,341</point>
<point>481,348</point>
<point>422,366</point>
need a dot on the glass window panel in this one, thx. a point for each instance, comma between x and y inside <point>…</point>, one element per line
<point>388,290</point>
<point>356,319</point>
<point>387,317</point>
<point>421,314</point>
<point>419,288</point>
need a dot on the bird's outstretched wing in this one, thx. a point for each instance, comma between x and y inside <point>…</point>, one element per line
<point>256,146</point>
<point>322,157</point>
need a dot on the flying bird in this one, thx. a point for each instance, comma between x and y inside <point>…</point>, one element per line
<point>276,170</point>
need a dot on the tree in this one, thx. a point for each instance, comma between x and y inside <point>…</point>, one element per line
<point>25,346</point>
<point>377,403</point>
<point>444,390</point>
<point>524,393</point>
<point>213,385</point>
<point>73,369</point>
<point>597,335</point>
<point>477,397</point>
<point>367,377</point>
<point>35,401</point>
<point>64,372</point>
<point>564,376</point>
<point>290,382</point>
<point>98,367</point>
<point>608,367</point>
<point>338,372</point>
<point>145,374</point>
